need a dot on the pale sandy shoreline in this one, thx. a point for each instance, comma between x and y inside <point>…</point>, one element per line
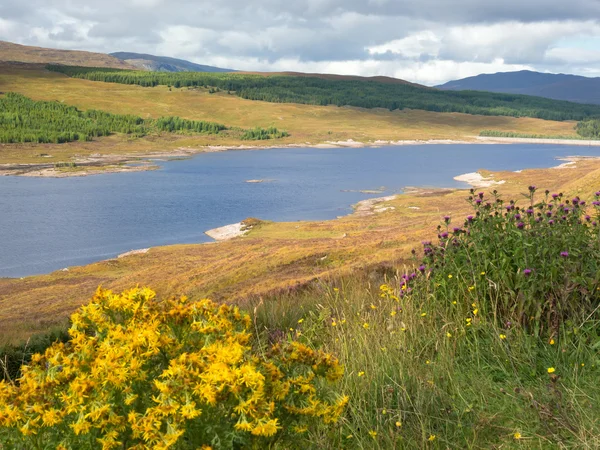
<point>147,161</point>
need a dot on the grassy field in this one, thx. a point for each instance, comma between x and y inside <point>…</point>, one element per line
<point>306,124</point>
<point>273,258</point>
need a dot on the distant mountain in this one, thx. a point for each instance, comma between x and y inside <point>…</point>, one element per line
<point>573,88</point>
<point>164,63</point>
<point>25,53</point>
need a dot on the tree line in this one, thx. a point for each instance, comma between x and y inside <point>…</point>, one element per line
<point>589,129</point>
<point>359,93</point>
<point>25,120</point>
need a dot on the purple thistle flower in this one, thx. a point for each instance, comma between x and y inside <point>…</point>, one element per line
<point>564,254</point>
<point>427,250</point>
<point>564,217</point>
<point>595,223</point>
<point>538,219</point>
<point>470,218</point>
<point>518,216</point>
<point>426,243</point>
<point>529,212</point>
<point>582,203</point>
<point>447,219</point>
<point>480,195</point>
<point>554,196</point>
<point>527,272</point>
<point>575,201</point>
<point>456,230</point>
<point>596,203</point>
<point>520,225</point>
<point>531,188</point>
<point>588,218</point>
<point>548,213</point>
<point>598,194</point>
<point>444,235</point>
<point>566,210</point>
<point>421,268</point>
<point>551,222</point>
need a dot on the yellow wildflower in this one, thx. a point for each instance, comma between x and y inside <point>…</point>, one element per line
<point>373,433</point>
<point>431,438</point>
<point>398,424</point>
<point>551,341</point>
<point>517,435</point>
<point>366,326</point>
<point>551,370</point>
<point>502,336</point>
<point>360,374</point>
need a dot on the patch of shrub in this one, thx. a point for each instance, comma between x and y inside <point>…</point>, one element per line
<point>142,373</point>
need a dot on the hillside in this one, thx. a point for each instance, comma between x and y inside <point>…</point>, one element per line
<point>24,53</point>
<point>347,92</point>
<point>572,88</point>
<point>328,76</point>
<point>163,63</point>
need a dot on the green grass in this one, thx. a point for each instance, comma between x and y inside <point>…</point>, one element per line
<point>445,364</point>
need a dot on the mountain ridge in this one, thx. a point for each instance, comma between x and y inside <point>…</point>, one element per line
<point>574,88</point>
<point>164,63</point>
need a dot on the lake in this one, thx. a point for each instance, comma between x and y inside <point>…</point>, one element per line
<point>50,223</point>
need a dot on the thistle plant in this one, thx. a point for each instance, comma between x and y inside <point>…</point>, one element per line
<point>536,264</point>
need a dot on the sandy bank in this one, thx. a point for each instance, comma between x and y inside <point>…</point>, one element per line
<point>477,180</point>
<point>227,232</point>
<point>369,206</point>
<point>98,164</point>
<point>507,140</point>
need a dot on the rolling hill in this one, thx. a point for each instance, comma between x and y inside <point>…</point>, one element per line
<point>164,64</point>
<point>573,88</point>
<point>28,54</point>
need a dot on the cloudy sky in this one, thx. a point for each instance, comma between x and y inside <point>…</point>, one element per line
<point>425,41</point>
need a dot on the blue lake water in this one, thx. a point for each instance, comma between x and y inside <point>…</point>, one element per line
<point>50,223</point>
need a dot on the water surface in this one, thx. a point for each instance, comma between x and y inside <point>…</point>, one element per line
<point>50,223</point>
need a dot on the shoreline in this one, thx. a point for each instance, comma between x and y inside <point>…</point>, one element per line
<point>148,161</point>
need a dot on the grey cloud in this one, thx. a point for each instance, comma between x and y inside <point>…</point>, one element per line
<point>303,30</point>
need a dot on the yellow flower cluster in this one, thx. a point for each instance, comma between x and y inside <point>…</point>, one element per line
<point>142,373</point>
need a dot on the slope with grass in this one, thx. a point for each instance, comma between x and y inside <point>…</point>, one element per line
<point>306,124</point>
<point>359,93</point>
<point>28,54</point>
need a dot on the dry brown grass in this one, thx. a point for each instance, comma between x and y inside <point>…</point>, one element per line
<point>275,257</point>
<point>27,54</point>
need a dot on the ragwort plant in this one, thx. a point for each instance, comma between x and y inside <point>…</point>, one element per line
<point>141,373</point>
